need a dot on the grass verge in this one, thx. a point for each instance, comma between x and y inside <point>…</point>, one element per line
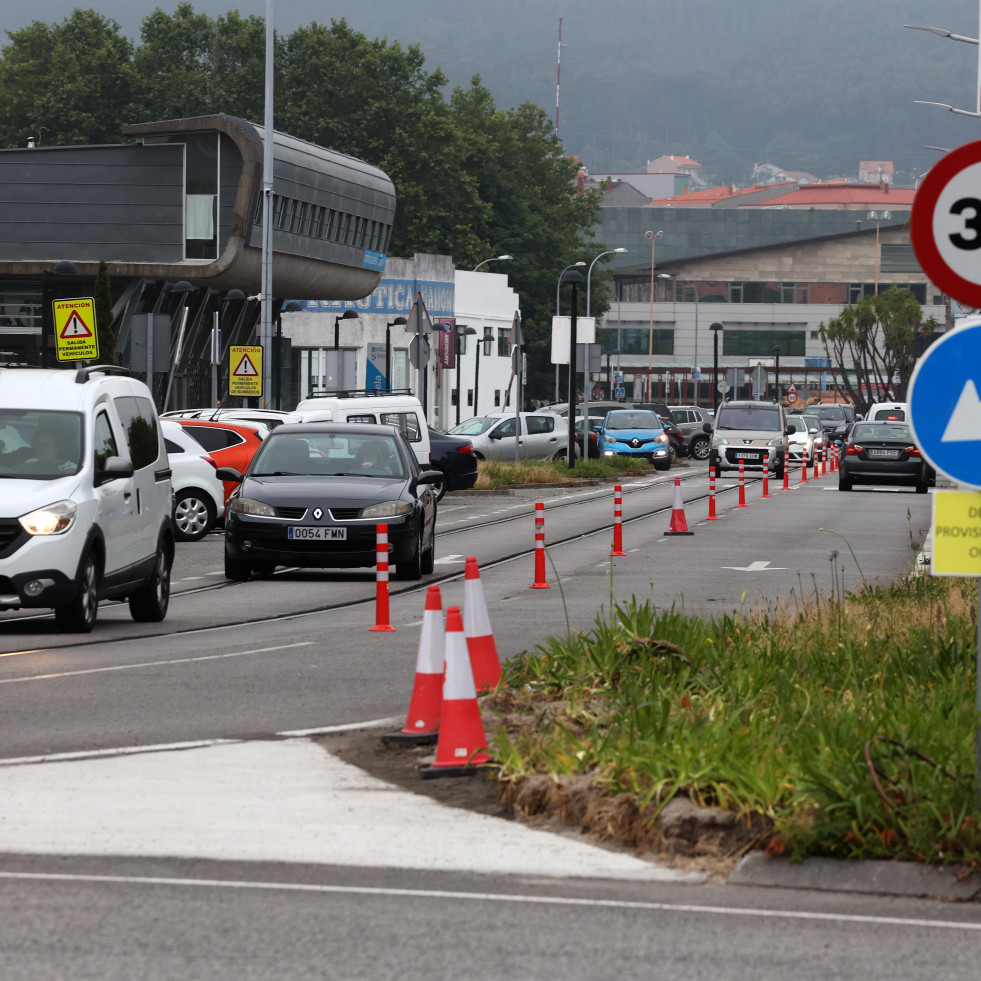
<point>496,474</point>
<point>845,727</point>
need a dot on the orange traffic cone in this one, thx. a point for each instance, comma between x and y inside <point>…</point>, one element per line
<point>678,524</point>
<point>422,724</point>
<point>484,662</point>
<point>461,731</point>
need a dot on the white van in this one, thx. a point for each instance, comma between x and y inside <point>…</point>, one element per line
<point>85,512</point>
<point>399,408</point>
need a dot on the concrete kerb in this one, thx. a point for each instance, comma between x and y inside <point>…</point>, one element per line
<point>873,876</point>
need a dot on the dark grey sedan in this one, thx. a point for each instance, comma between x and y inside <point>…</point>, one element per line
<point>315,493</point>
<point>883,453</point>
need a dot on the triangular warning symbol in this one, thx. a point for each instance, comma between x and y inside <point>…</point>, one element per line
<point>245,369</point>
<point>965,420</point>
<point>75,327</point>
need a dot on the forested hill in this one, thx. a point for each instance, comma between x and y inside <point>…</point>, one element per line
<point>814,86</point>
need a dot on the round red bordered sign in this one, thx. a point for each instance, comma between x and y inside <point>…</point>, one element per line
<point>945,224</point>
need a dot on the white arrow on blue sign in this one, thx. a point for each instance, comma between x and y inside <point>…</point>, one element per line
<point>945,405</point>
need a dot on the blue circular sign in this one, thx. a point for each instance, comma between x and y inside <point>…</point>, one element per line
<point>945,405</point>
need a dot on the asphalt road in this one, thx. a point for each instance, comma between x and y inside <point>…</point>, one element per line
<point>163,815</point>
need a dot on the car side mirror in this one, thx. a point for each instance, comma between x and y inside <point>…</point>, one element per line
<point>114,468</point>
<point>229,473</point>
<point>707,427</point>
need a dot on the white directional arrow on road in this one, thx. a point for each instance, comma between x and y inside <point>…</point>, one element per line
<point>755,567</point>
<point>448,559</point>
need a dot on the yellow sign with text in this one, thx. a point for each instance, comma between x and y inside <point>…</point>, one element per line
<point>76,336</point>
<point>245,371</point>
<point>956,533</point>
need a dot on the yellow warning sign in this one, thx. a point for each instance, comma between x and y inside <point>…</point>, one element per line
<point>956,533</point>
<point>245,371</point>
<point>76,335</point>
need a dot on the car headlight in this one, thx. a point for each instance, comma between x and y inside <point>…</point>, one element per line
<point>54,519</point>
<point>663,438</point>
<point>246,505</point>
<point>776,441</point>
<point>387,509</point>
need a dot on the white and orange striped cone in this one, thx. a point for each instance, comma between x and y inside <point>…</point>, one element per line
<point>678,525</point>
<point>459,749</point>
<point>540,581</point>
<point>381,580</point>
<point>422,723</point>
<point>484,662</point>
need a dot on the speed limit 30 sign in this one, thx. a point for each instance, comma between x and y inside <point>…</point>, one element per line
<point>945,224</point>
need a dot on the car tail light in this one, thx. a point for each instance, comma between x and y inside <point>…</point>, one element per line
<point>854,449</point>
<point>465,449</point>
<point>209,459</point>
<point>912,451</point>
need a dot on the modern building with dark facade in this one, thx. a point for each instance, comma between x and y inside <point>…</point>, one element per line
<point>183,204</point>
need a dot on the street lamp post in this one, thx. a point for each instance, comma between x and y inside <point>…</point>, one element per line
<point>574,278</point>
<point>589,274</point>
<point>485,342</point>
<point>589,277</point>
<point>397,322</point>
<point>462,331</point>
<point>878,217</point>
<point>715,328</point>
<point>557,313</point>
<point>776,376</point>
<point>346,315</point>
<point>653,237</point>
<point>496,258</point>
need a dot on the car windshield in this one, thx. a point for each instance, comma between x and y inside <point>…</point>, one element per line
<point>749,417</point>
<point>39,445</point>
<point>474,426</point>
<point>830,413</point>
<point>796,424</point>
<point>632,420</point>
<point>881,431</point>
<point>813,423</point>
<point>328,455</point>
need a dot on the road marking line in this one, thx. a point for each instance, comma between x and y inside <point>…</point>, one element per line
<point>491,897</point>
<point>153,664</point>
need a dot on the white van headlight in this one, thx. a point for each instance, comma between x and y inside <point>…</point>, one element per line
<point>53,519</point>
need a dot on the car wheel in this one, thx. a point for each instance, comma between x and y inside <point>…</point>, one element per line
<point>78,616</point>
<point>194,515</point>
<point>236,569</point>
<point>411,569</point>
<point>778,472</point>
<point>844,485</point>
<point>150,602</point>
<point>922,487</point>
<point>428,561</point>
<point>700,449</point>
<point>561,455</point>
<point>263,568</point>
<point>662,464</point>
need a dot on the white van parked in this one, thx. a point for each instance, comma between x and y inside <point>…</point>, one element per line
<point>398,408</point>
<point>85,510</point>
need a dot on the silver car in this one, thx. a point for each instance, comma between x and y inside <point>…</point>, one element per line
<point>538,435</point>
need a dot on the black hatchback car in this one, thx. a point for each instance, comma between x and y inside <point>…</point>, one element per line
<point>883,453</point>
<point>315,493</point>
<point>454,458</point>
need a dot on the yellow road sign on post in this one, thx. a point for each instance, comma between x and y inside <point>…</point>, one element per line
<point>245,371</point>
<point>76,336</point>
<point>956,533</point>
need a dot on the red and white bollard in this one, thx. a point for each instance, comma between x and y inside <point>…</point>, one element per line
<point>540,582</point>
<point>766,475</point>
<point>817,463</point>
<point>742,485</point>
<point>824,460</point>
<point>381,579</point>
<point>618,521</point>
<point>786,472</point>
<point>803,469</point>
<point>712,515</point>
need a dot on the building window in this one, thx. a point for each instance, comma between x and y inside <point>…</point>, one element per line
<point>760,343</point>
<point>504,342</point>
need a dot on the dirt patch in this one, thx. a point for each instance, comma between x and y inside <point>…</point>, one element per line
<point>683,836</point>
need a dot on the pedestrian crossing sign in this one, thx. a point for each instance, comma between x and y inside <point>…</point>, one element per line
<point>76,336</point>
<point>245,371</point>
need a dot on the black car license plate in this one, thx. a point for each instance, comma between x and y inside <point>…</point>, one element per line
<point>316,534</point>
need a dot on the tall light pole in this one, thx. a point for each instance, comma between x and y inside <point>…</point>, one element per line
<point>695,367</point>
<point>573,278</point>
<point>496,258</point>
<point>397,322</point>
<point>557,313</point>
<point>652,237</point>
<point>265,319</point>
<point>715,328</point>
<point>589,274</point>
<point>776,376</point>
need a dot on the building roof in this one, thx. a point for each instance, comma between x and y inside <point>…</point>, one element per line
<point>884,166</point>
<point>708,197</point>
<point>842,195</point>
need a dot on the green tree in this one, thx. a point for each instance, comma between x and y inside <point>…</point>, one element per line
<point>103,316</point>
<point>873,340</point>
<point>71,82</point>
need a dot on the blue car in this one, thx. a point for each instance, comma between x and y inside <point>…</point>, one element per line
<point>635,432</point>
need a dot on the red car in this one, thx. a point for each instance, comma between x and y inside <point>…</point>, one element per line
<point>229,444</point>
